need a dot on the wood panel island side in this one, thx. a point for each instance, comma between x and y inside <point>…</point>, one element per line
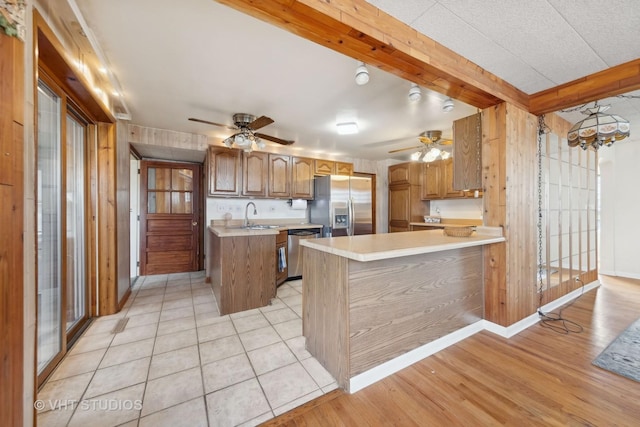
<point>372,300</point>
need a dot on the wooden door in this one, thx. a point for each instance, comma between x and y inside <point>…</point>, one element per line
<point>170,217</point>
<point>302,178</point>
<point>279,176</point>
<point>224,171</point>
<point>255,168</point>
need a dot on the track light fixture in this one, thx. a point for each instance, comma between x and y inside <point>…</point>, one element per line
<point>362,74</point>
<point>415,94</point>
<point>447,105</point>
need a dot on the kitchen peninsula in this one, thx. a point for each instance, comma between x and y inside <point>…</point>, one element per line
<point>370,299</point>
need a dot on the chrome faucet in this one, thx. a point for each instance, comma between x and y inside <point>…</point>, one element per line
<point>246,213</point>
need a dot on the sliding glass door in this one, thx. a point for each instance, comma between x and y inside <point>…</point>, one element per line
<point>61,226</point>
<point>76,270</point>
<point>49,227</point>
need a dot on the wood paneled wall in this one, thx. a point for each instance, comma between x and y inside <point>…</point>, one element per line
<point>11,230</point>
<point>107,220</point>
<point>510,200</point>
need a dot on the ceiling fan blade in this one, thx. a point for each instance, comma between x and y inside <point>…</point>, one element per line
<point>260,122</point>
<point>273,139</point>
<point>405,149</point>
<point>212,123</point>
<point>445,142</point>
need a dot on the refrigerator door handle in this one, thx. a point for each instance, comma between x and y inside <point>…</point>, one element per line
<point>352,221</point>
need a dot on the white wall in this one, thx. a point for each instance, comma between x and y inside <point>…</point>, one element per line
<point>458,208</point>
<point>619,209</point>
<point>217,207</point>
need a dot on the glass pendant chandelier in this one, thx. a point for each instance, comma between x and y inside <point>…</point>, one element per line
<point>598,129</point>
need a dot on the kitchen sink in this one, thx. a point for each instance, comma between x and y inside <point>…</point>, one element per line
<point>260,227</point>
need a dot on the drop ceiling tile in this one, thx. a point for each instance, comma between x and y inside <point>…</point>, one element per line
<point>534,32</point>
<point>406,11</point>
<point>599,27</point>
<point>471,43</point>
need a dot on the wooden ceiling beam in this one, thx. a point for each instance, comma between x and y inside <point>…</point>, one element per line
<point>610,82</point>
<point>363,32</point>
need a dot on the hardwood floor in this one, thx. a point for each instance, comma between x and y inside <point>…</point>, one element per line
<point>537,378</point>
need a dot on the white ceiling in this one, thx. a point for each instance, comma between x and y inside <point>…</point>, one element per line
<point>198,58</point>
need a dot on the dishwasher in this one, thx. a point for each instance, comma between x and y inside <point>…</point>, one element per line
<point>295,256</point>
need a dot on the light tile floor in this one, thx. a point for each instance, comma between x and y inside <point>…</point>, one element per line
<point>179,363</point>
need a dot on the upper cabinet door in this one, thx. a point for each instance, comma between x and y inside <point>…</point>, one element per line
<point>255,172</point>
<point>224,171</point>
<point>302,178</point>
<point>344,168</point>
<point>279,176</point>
<point>431,177</point>
<point>324,167</point>
<point>405,173</point>
<point>467,153</point>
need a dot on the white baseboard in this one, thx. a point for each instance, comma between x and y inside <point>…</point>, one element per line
<point>516,328</point>
<point>392,366</point>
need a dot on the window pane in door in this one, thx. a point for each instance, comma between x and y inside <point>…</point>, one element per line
<point>159,179</point>
<point>48,226</point>
<point>76,300</point>
<point>158,202</point>
<point>182,179</point>
<point>181,202</point>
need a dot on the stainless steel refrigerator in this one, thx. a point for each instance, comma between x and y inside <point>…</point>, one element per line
<point>343,205</point>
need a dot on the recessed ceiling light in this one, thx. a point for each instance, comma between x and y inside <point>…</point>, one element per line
<point>347,128</point>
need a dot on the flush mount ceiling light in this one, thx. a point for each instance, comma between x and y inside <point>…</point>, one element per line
<point>415,94</point>
<point>347,128</point>
<point>447,105</point>
<point>598,129</point>
<point>362,74</point>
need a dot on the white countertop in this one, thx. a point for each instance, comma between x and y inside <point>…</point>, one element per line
<point>371,247</point>
<point>238,231</point>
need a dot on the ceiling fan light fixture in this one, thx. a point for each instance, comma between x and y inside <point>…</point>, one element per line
<point>347,128</point>
<point>415,94</point>
<point>416,156</point>
<point>362,74</point>
<point>260,144</point>
<point>447,105</point>
<point>445,155</point>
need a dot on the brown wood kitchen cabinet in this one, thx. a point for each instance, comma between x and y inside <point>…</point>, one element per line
<point>255,172</point>
<point>343,168</point>
<point>467,152</point>
<point>405,204</point>
<point>324,167</point>
<point>302,178</point>
<point>437,181</point>
<point>224,171</point>
<point>241,271</point>
<point>279,176</point>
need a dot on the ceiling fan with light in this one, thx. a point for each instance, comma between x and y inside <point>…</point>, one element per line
<point>428,151</point>
<point>246,137</point>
